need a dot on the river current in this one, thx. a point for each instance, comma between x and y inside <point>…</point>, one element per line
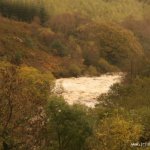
<point>86,90</point>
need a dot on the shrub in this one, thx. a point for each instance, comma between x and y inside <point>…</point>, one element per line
<point>29,42</point>
<point>92,71</point>
<point>17,58</point>
<point>67,22</point>
<point>91,54</point>
<point>144,113</point>
<point>104,66</point>
<point>59,48</point>
<point>74,70</point>
<point>46,35</point>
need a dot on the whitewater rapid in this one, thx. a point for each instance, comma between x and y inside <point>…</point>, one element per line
<point>85,90</point>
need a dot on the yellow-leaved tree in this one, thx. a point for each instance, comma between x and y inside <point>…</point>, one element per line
<point>23,95</point>
<point>115,133</point>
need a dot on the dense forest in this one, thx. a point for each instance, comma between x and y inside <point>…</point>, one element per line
<point>43,40</point>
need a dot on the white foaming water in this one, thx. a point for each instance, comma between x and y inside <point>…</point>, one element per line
<point>85,90</point>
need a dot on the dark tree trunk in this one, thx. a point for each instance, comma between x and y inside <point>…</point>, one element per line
<point>5,146</point>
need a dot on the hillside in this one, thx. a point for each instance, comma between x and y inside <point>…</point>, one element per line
<point>62,49</point>
<point>19,44</point>
<point>55,52</point>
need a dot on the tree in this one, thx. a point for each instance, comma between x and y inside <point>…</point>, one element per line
<point>74,70</point>
<point>115,44</point>
<point>115,133</point>
<point>144,113</point>
<point>68,125</point>
<point>67,22</point>
<point>23,92</point>
<point>130,96</point>
<point>104,66</point>
<point>91,54</point>
<point>43,15</point>
<point>59,48</point>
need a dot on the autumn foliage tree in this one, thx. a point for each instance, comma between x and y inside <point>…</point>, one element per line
<point>116,133</point>
<point>115,44</point>
<point>24,92</point>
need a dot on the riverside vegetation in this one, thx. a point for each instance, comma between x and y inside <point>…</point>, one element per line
<point>42,41</point>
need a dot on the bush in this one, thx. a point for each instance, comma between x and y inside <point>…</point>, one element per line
<point>91,54</point>
<point>74,70</point>
<point>67,22</point>
<point>59,48</point>
<point>92,71</point>
<point>104,66</point>
<point>144,114</point>
<point>29,42</point>
<point>46,35</point>
<point>17,58</point>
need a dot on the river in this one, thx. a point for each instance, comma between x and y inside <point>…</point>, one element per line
<point>85,90</point>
